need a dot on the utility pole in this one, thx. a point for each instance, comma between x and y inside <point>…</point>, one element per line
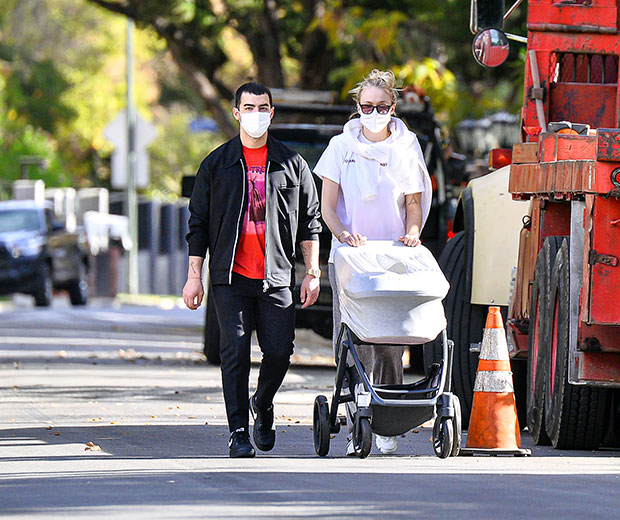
<point>132,201</point>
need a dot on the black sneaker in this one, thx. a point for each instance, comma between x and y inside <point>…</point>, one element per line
<point>239,444</point>
<point>263,433</point>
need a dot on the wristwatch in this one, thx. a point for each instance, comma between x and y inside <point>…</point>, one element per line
<point>315,273</point>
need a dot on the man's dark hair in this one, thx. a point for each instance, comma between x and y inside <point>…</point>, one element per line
<point>252,87</point>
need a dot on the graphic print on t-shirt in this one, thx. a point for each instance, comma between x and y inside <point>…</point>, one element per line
<point>250,257</point>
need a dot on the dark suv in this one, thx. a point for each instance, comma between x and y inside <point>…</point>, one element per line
<point>37,255</point>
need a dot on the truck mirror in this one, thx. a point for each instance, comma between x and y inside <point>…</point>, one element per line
<point>486,14</point>
<point>491,48</point>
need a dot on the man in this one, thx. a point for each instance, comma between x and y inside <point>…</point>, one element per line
<point>253,199</point>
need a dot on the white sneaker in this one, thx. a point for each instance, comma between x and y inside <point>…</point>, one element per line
<point>350,449</point>
<point>386,445</point>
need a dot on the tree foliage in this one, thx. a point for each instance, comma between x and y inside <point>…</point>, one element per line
<point>312,44</point>
<point>68,97</point>
<point>62,68</point>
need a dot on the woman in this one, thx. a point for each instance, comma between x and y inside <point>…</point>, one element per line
<point>375,186</point>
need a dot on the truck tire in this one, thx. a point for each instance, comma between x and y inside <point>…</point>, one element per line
<point>538,341</point>
<point>44,289</point>
<point>78,289</point>
<point>211,344</point>
<point>465,325</point>
<point>575,416</point>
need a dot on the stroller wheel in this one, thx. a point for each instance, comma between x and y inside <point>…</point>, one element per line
<point>320,426</point>
<point>456,422</point>
<point>362,437</point>
<point>443,437</point>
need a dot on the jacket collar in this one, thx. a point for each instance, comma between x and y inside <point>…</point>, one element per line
<point>234,150</point>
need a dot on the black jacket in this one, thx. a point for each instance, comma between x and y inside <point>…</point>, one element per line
<point>220,199</point>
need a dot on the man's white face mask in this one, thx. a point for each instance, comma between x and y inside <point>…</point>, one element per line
<point>255,124</point>
<point>374,121</point>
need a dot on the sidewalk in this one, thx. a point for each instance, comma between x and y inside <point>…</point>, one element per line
<point>158,317</point>
<point>310,348</point>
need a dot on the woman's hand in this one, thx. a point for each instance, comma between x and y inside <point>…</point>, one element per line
<point>410,240</point>
<point>353,239</point>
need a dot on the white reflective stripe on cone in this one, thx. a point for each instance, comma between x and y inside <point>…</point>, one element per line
<point>494,344</point>
<point>492,381</point>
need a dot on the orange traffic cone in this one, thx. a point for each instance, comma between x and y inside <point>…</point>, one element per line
<point>493,424</point>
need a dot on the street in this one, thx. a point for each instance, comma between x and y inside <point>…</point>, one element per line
<point>110,410</point>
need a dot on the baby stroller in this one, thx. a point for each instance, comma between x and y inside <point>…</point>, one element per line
<point>391,295</point>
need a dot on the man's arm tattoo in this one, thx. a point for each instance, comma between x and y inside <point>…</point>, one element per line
<point>308,251</point>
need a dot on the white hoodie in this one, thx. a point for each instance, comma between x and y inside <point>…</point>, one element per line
<point>374,178</point>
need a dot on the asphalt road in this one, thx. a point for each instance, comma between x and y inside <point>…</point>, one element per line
<point>103,412</point>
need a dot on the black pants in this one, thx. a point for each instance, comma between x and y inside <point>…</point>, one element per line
<point>238,306</point>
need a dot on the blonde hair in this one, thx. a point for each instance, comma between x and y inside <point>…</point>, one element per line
<point>383,79</point>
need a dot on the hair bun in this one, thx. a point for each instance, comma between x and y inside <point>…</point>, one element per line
<point>382,76</point>
<point>383,79</point>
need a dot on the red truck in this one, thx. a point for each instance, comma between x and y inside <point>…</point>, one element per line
<point>541,236</point>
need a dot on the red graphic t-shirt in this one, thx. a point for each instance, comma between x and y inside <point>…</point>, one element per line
<point>250,257</point>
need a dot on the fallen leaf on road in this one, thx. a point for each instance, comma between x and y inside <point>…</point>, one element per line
<point>153,416</point>
<point>92,447</point>
<point>49,428</point>
<point>114,422</point>
<point>206,422</point>
<point>57,433</point>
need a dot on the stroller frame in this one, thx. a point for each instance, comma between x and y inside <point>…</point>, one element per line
<point>388,409</point>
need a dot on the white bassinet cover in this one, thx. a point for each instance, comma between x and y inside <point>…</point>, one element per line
<point>390,293</point>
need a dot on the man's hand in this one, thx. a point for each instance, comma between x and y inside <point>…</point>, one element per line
<point>193,293</point>
<point>410,240</point>
<point>310,289</point>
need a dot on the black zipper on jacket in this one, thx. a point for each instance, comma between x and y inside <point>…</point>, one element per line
<point>241,212</point>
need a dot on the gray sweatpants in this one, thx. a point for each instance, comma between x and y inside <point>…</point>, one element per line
<point>383,365</point>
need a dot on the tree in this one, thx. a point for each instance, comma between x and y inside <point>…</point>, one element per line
<point>314,44</point>
<point>70,95</point>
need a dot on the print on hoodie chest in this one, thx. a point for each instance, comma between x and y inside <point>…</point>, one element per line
<point>351,160</point>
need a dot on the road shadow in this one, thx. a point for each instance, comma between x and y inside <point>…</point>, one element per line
<point>173,471</point>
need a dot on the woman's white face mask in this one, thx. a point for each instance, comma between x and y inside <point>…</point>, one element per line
<point>375,122</point>
<point>255,124</point>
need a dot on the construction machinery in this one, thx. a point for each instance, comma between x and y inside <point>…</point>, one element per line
<point>541,236</point>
